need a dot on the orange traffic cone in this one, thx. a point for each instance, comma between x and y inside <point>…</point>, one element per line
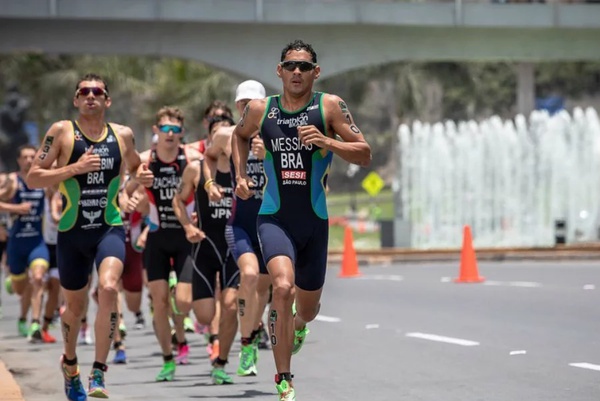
<point>349,260</point>
<point>468,261</point>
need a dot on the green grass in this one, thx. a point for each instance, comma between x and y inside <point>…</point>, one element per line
<point>339,205</point>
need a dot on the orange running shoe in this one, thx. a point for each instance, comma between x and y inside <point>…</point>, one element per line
<point>47,337</point>
<point>215,350</point>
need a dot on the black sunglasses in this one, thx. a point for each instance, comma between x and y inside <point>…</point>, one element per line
<point>94,90</point>
<point>304,66</point>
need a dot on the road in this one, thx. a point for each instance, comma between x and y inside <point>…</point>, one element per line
<point>399,332</point>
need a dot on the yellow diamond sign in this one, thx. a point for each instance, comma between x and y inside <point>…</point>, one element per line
<point>373,183</point>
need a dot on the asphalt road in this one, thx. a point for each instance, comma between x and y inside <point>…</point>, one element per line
<point>401,332</point>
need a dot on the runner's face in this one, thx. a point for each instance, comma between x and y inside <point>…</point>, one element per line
<point>169,139</point>
<point>297,82</point>
<point>25,160</point>
<point>91,98</point>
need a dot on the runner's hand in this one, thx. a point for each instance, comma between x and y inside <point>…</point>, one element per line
<point>144,176</point>
<point>310,135</point>
<point>215,192</point>
<point>244,186</point>
<point>22,208</point>
<point>194,234</point>
<point>88,162</point>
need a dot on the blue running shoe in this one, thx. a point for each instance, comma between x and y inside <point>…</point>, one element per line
<point>120,357</point>
<point>73,386</point>
<point>97,389</point>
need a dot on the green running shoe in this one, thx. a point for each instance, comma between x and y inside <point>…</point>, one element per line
<point>188,325</point>
<point>219,376</point>
<point>247,366</point>
<point>8,285</point>
<point>122,330</point>
<point>286,392</point>
<point>97,389</point>
<point>35,333</point>
<point>299,337</point>
<point>167,372</point>
<point>22,327</point>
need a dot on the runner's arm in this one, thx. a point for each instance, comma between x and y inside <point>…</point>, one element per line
<point>42,174</point>
<point>353,148</point>
<point>185,190</point>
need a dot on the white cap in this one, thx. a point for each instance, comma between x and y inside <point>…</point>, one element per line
<point>250,90</point>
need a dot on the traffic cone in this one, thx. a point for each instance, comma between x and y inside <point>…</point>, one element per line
<point>349,260</point>
<point>468,261</point>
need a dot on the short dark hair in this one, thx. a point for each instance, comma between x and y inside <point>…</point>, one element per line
<point>299,45</point>
<point>217,105</point>
<point>21,148</point>
<point>172,113</point>
<point>92,77</point>
<point>219,119</point>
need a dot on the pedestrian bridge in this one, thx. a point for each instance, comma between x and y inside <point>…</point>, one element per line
<point>245,37</point>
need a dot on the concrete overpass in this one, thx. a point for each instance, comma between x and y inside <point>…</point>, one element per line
<point>245,37</point>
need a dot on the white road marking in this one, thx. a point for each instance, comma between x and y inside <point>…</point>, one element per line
<point>328,319</point>
<point>589,287</point>
<point>382,277</point>
<point>585,365</point>
<point>446,279</point>
<point>491,282</point>
<point>520,352</point>
<point>443,339</point>
<point>371,326</point>
<point>525,284</point>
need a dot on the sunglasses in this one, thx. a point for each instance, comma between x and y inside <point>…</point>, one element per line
<point>94,90</point>
<point>291,65</point>
<point>168,128</point>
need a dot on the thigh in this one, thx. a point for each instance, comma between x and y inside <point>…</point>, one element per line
<point>274,239</point>
<point>180,255</point>
<point>39,253</point>
<point>111,245</point>
<point>17,259</point>
<point>74,259</point>
<point>132,270</point>
<point>156,259</point>
<point>311,265</point>
<point>241,242</point>
<point>206,264</point>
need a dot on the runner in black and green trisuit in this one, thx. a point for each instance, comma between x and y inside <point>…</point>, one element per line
<point>91,155</point>
<point>299,129</point>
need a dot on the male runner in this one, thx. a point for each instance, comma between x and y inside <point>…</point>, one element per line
<point>91,156</point>
<point>166,240</point>
<point>299,129</point>
<point>253,291</point>
<point>210,253</point>
<point>27,254</point>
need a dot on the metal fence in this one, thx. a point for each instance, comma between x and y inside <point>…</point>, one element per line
<point>511,181</point>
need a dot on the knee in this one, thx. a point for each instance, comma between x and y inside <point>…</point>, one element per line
<point>160,304</point>
<point>77,308</point>
<point>283,291</point>
<point>109,290</point>
<point>248,278</point>
<point>308,314</point>
<point>229,307</point>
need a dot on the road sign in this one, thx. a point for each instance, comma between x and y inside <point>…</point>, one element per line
<point>373,183</point>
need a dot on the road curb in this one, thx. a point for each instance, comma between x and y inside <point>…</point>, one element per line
<point>9,389</point>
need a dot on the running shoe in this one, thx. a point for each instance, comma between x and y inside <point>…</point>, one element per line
<point>219,376</point>
<point>22,328</point>
<point>299,337</point>
<point>183,352</point>
<point>286,391</point>
<point>47,337</point>
<point>8,285</point>
<point>247,365</point>
<point>97,388</point>
<point>140,322</point>
<point>215,349</point>
<point>120,357</point>
<point>167,372</point>
<point>35,333</point>
<point>188,325</point>
<point>73,386</point>
<point>85,336</point>
<point>122,330</point>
